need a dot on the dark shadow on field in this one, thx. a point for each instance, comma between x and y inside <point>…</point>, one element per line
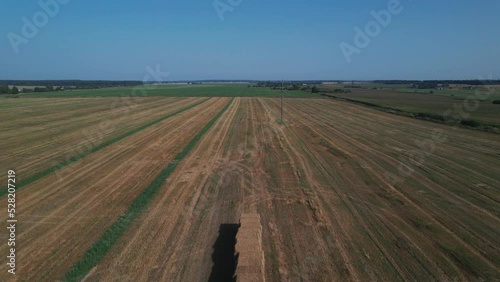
<point>223,257</point>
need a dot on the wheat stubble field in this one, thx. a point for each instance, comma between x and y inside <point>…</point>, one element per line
<point>147,191</point>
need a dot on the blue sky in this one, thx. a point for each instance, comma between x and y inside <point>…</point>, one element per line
<point>258,39</point>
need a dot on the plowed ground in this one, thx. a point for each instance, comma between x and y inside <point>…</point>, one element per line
<point>343,193</point>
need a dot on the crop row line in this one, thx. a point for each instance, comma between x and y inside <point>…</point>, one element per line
<point>78,157</point>
<point>97,252</point>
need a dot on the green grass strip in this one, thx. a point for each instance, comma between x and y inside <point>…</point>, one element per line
<point>97,252</point>
<point>78,157</point>
<point>431,117</point>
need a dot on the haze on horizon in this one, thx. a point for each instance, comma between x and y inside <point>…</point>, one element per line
<point>254,40</point>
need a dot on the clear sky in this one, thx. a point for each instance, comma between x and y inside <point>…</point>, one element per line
<point>258,39</point>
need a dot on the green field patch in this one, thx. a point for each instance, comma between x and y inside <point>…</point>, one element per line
<point>179,90</point>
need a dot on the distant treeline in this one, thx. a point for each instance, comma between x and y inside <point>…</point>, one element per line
<point>81,84</point>
<point>239,81</point>
<point>5,89</point>
<point>287,85</point>
<point>436,82</point>
<point>332,90</point>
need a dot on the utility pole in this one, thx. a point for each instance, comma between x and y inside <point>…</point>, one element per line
<point>281,101</point>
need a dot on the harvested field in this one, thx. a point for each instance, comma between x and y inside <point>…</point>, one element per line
<point>74,126</point>
<point>432,104</point>
<point>63,213</point>
<point>343,192</point>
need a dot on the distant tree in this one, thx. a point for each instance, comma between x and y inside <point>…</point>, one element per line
<point>15,90</point>
<point>315,89</point>
<point>496,102</point>
<point>4,89</point>
<point>296,85</point>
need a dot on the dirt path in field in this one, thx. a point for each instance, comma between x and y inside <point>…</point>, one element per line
<point>60,218</point>
<point>294,196</point>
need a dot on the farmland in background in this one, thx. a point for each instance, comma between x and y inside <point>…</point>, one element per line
<point>176,90</point>
<point>424,102</point>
